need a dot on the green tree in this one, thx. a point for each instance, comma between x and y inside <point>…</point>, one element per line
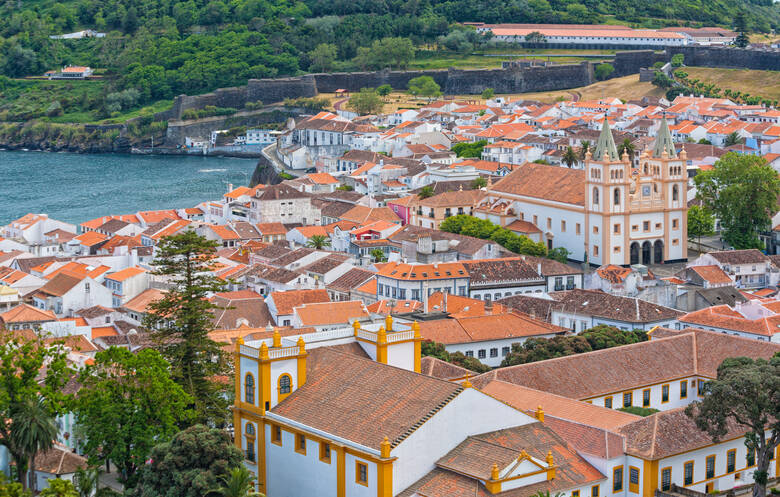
<point>318,242</point>
<point>130,21</point>
<point>570,157</point>
<point>322,57</point>
<point>377,255</point>
<point>87,481</point>
<point>240,483</point>
<point>742,191</point>
<point>479,183</point>
<point>733,138</point>
<point>182,319</point>
<point>128,403</point>
<point>12,489</point>
<point>189,465</point>
<point>426,191</point>
<point>745,394</point>
<point>469,149</point>
<point>367,101</point>
<point>701,223</point>
<point>33,430</point>
<point>26,386</point>
<point>384,90</point>
<point>59,487</point>
<point>535,37</point>
<point>424,86</point>
<point>559,254</point>
<point>677,60</point>
<point>740,25</point>
<point>603,71</point>
<point>488,93</point>
<point>584,147</point>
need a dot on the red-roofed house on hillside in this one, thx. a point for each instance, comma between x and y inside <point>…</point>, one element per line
<point>126,284</point>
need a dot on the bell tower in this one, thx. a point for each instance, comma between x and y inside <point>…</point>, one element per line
<point>607,180</point>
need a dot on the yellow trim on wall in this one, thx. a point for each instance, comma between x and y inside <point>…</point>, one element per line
<point>684,382</point>
<point>325,455</point>
<point>358,465</point>
<point>634,487</point>
<point>611,402</point>
<point>668,393</point>
<point>650,478</point>
<point>706,463</point>
<point>615,480</point>
<point>254,397</point>
<point>281,396</point>
<point>646,398</point>
<point>341,471</point>
<point>276,434</point>
<point>384,482</point>
<point>669,469</point>
<point>729,453</point>
<point>693,472</point>
<point>300,437</point>
<point>594,491</point>
<point>630,399</point>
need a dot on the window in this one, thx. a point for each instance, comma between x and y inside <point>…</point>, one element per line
<point>709,467</point>
<point>658,226</point>
<point>751,457</point>
<point>249,430</point>
<point>549,223</point>
<point>731,461</point>
<point>646,225</point>
<point>470,353</point>
<point>617,479</point>
<point>575,493</point>
<point>701,387</point>
<point>481,354</point>
<point>633,479</point>
<point>616,229</point>
<point>634,227</point>
<point>664,393</point>
<point>628,399</point>
<point>285,384</point>
<point>361,473</point>
<point>494,352</point>
<point>684,389</point>
<point>595,230</point>
<point>616,195</point>
<point>276,434</point>
<point>608,402</point>
<point>300,444</point>
<point>325,452</point>
<point>595,196</point>
<point>86,287</point>
<point>536,220</point>
<point>596,250</point>
<point>594,491</point>
<point>563,225</point>
<point>666,479</point>
<point>249,389</point>
<point>675,193</point>
<point>504,351</point>
<point>616,250</point>
<point>646,398</point>
<point>688,473</point>
<point>578,228</point>
<point>675,223</point>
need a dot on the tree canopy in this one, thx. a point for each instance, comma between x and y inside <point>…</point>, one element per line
<point>746,393</point>
<point>481,228</point>
<point>182,319</point>
<point>424,86</point>
<point>128,403</point>
<point>367,101</point>
<point>191,464</point>
<point>742,191</point>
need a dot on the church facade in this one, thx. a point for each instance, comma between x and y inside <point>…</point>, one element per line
<point>607,213</point>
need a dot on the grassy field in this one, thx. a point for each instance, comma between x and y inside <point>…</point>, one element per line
<point>626,88</point>
<point>764,83</point>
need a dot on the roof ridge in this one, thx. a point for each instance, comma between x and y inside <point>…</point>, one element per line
<point>655,433</point>
<point>428,415</point>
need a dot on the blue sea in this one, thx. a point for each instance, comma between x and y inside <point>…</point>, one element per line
<point>75,187</point>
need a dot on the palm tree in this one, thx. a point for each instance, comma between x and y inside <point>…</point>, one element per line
<point>318,242</point>
<point>378,256</point>
<point>584,147</point>
<point>86,481</point>
<point>426,191</point>
<point>628,148</point>
<point>33,429</point>
<point>239,483</point>
<point>733,139</point>
<point>570,157</point>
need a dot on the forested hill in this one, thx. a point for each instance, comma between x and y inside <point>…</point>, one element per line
<point>165,47</point>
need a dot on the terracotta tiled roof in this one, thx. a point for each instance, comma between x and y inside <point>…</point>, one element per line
<point>558,184</point>
<point>286,301</point>
<point>613,273</point>
<point>724,317</point>
<point>487,327</point>
<point>363,401</point>
<point>94,312</point>
<point>126,273</point>
<point>59,285</point>
<point>667,433</point>
<point>496,270</point>
<point>243,305</point>
<point>398,307</point>
<point>404,271</point>
<point>59,460</point>
<point>457,306</point>
<point>140,302</point>
<point>25,313</point>
<point>712,274</point>
<point>432,366</point>
<point>601,304</point>
<point>521,226</point>
<point>351,279</point>
<point>749,256</point>
<point>528,400</point>
<point>316,314</point>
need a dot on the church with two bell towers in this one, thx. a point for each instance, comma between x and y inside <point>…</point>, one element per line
<point>608,213</point>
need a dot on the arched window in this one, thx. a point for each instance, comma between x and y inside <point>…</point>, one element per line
<point>285,384</point>
<point>249,431</point>
<point>595,195</point>
<point>675,193</point>
<point>249,388</point>
<point>617,196</point>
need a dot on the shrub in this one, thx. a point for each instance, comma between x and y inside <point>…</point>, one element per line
<point>603,71</point>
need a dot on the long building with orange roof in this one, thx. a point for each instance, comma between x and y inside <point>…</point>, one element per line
<point>584,36</point>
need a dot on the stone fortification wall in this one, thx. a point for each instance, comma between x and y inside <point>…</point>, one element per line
<point>727,57</point>
<point>178,130</point>
<point>631,62</point>
<point>519,80</point>
<point>354,81</point>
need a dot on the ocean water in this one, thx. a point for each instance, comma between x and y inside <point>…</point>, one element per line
<point>75,187</point>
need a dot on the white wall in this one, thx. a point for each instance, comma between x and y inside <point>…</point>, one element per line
<point>655,396</point>
<point>292,474</point>
<point>470,413</point>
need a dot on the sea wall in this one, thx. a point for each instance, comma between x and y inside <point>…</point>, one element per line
<point>178,130</point>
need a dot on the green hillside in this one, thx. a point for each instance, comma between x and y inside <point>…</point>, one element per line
<point>156,49</point>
